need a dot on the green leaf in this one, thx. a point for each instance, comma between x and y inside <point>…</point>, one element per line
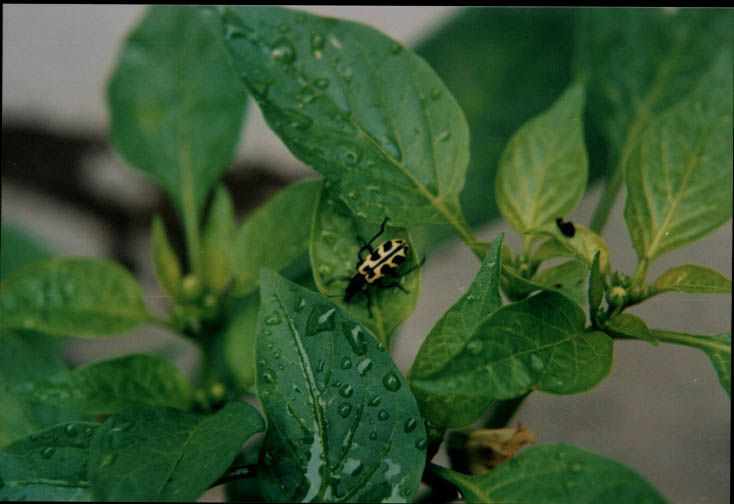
<point>358,107</point>
<point>275,234</point>
<point>161,454</point>
<point>543,170</point>
<point>79,297</point>
<point>717,347</point>
<point>19,249</point>
<point>111,385</point>
<point>176,106</point>
<point>165,261</point>
<point>240,338</point>
<point>584,244</point>
<point>48,466</point>
<point>567,278</point>
<point>539,343</point>
<point>342,424</point>
<point>217,239</point>
<point>333,250</point>
<point>679,179</point>
<point>450,406</point>
<point>26,356</point>
<point>692,279</point>
<point>555,473</point>
<point>627,325</point>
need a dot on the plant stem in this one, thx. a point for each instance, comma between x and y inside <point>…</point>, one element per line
<point>611,189</point>
<point>191,230</point>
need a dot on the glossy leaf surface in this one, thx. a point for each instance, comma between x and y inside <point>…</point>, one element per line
<point>692,279</point>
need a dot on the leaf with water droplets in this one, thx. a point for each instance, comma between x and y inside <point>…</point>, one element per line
<point>554,473</point>
<point>354,434</point>
<point>362,127</point>
<point>539,343</point>
<point>161,454</point>
<point>441,402</point>
<point>75,297</point>
<point>111,385</point>
<point>275,234</point>
<point>49,465</point>
<point>335,236</point>
<point>176,106</point>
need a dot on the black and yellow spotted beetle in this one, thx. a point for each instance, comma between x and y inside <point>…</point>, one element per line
<point>382,261</point>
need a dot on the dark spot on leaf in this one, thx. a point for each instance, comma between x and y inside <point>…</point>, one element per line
<point>567,228</point>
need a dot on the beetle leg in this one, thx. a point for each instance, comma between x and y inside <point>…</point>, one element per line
<point>394,284</point>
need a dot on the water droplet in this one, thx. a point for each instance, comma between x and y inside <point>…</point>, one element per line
<point>443,136</point>
<point>375,401</point>
<point>322,83</point>
<point>301,305</point>
<point>391,381</point>
<point>344,410</point>
<point>351,157</point>
<point>435,93</point>
<point>421,444</point>
<point>536,362</point>
<point>297,120</point>
<point>319,322</point>
<point>268,459</point>
<point>108,460</point>
<point>71,430</point>
<point>410,424</point>
<point>321,365</point>
<point>283,51</point>
<point>364,366</point>
<point>475,347</point>
<point>383,415</point>
<point>123,426</point>
<point>347,74</point>
<point>273,319</point>
<point>373,435</point>
<point>391,146</point>
<point>269,376</point>
<point>346,391</point>
<point>471,298</point>
<point>48,452</point>
<point>576,467</point>
<point>297,389</point>
<point>88,432</point>
<point>325,270</point>
<point>346,363</point>
<point>356,338</point>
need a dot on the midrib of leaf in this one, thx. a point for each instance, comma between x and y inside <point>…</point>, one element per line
<point>691,164</point>
<point>50,482</point>
<point>312,389</point>
<point>702,342</point>
<point>643,116</point>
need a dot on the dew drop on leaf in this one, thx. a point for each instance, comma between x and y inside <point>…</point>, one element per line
<point>273,319</point>
<point>375,401</point>
<point>48,452</point>
<point>410,424</point>
<point>443,136</point>
<point>320,321</point>
<point>364,366</point>
<point>346,391</point>
<point>421,444</point>
<point>108,460</point>
<point>346,363</point>
<point>474,347</point>
<point>71,430</point>
<point>536,362</point>
<point>373,435</point>
<point>269,376</point>
<point>391,382</point>
<point>383,415</point>
<point>344,410</point>
<point>356,338</point>
<point>283,51</point>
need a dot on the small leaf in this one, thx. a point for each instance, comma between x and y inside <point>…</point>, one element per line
<point>717,347</point>
<point>692,279</point>
<point>239,341</point>
<point>627,325</point>
<point>452,407</point>
<point>358,107</point>
<point>333,250</point>
<point>111,385</point>
<point>161,454</point>
<point>79,297</point>
<point>167,266</point>
<point>19,249</point>
<point>584,244</point>
<point>554,473</point>
<point>543,170</point>
<point>679,179</point>
<point>539,343</point>
<point>49,465</point>
<point>176,106</point>
<point>567,278</point>
<point>217,242</point>
<point>275,234</point>
<point>342,424</point>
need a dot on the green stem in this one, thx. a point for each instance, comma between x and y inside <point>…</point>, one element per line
<point>690,340</point>
<point>638,277</point>
<point>191,230</point>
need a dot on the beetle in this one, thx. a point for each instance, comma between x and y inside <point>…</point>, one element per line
<point>567,228</point>
<point>382,261</point>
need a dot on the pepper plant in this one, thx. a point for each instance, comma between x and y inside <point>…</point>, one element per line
<point>263,299</point>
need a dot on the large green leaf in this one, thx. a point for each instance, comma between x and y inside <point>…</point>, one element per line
<point>543,170</point>
<point>342,424</point>
<point>443,404</point>
<point>639,63</point>
<point>111,385</point>
<point>626,325</point>
<point>358,107</point>
<point>161,454</point>
<point>79,297</point>
<point>584,244</point>
<point>539,343</point>
<point>48,466</point>
<point>679,179</point>
<point>27,356</point>
<point>176,106</point>
<point>333,250</point>
<point>275,234</point>
<point>19,249</point>
<point>555,473</point>
<point>692,279</point>
<point>717,347</point>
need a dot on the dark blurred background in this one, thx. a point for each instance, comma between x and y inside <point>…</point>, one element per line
<point>661,411</point>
